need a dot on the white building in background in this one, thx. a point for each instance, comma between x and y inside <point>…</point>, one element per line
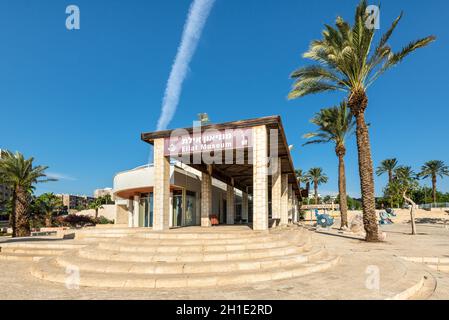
<point>103,192</point>
<point>5,192</point>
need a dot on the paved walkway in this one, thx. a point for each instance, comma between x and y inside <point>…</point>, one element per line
<point>354,278</point>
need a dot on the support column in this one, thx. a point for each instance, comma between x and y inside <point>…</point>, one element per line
<point>276,192</point>
<point>290,202</point>
<point>245,207</point>
<point>197,209</point>
<point>206,199</point>
<point>161,206</point>
<point>284,199</point>
<point>230,205</point>
<point>130,213</point>
<point>260,178</point>
<point>136,201</point>
<point>295,209</point>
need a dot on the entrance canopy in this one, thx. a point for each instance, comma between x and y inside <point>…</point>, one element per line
<point>226,150</point>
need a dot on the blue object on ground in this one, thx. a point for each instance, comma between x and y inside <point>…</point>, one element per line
<point>384,218</point>
<point>323,220</point>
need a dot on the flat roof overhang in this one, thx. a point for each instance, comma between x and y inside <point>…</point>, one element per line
<point>240,175</point>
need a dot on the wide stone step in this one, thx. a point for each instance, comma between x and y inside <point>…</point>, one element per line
<point>113,255</point>
<point>70,259</point>
<point>205,235</point>
<point>43,245</point>
<point>20,257</point>
<point>47,269</point>
<point>31,251</point>
<point>179,246</point>
<point>133,240</point>
<point>434,263</point>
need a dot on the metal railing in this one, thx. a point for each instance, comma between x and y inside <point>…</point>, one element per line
<point>438,205</point>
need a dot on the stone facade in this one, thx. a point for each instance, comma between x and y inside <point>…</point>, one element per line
<point>290,202</point>
<point>206,199</point>
<point>230,205</point>
<point>284,199</point>
<point>276,191</point>
<point>260,178</point>
<point>161,208</point>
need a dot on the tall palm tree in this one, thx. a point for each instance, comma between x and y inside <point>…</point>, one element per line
<point>387,166</point>
<point>334,125</point>
<point>20,174</point>
<point>318,177</point>
<point>434,169</point>
<point>348,61</point>
<point>301,177</point>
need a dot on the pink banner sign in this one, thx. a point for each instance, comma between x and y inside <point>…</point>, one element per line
<point>181,143</point>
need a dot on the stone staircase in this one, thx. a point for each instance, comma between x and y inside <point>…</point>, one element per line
<point>183,259</point>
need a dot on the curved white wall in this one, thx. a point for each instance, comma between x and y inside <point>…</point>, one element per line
<point>141,177</point>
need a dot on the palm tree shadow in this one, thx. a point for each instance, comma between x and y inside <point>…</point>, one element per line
<point>439,221</point>
<point>341,235</point>
<point>12,240</point>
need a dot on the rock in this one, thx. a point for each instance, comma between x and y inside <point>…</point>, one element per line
<point>356,224</point>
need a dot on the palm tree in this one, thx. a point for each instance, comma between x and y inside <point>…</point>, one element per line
<point>433,169</point>
<point>20,174</point>
<point>318,177</point>
<point>48,203</point>
<point>348,61</point>
<point>387,166</point>
<point>96,205</point>
<point>334,125</point>
<point>301,177</point>
<point>406,178</point>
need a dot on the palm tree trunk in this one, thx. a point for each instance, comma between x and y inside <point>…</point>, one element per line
<point>48,221</point>
<point>342,191</point>
<point>412,211</point>
<point>357,103</point>
<point>434,188</point>
<point>21,208</point>
<point>390,179</point>
<point>12,217</point>
<point>315,187</point>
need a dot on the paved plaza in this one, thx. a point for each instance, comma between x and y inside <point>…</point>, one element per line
<point>364,270</point>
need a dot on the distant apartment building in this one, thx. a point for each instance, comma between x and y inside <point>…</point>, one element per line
<point>5,195</point>
<point>103,192</point>
<point>5,192</point>
<point>73,202</point>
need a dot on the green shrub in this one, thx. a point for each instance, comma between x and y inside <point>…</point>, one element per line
<point>75,221</point>
<point>103,220</point>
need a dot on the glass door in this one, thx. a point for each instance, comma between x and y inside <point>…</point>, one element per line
<point>177,208</point>
<point>190,217</point>
<point>146,210</point>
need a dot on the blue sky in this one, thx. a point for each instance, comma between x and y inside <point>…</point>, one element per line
<point>78,100</point>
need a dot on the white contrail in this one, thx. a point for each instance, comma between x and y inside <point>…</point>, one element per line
<point>198,13</point>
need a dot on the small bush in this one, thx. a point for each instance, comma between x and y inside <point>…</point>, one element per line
<point>75,221</point>
<point>103,220</point>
